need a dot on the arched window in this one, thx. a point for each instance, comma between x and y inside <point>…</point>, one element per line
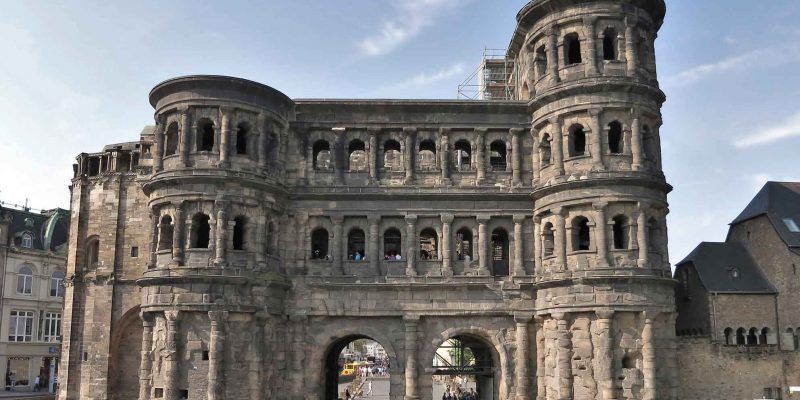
<point>171,140</point>
<point>27,241</point>
<point>165,230</point>
<point>729,338</point>
<point>762,338</point>
<point>752,337</point>
<point>609,41</point>
<point>205,135</point>
<point>357,156</point>
<point>545,153</point>
<point>427,244</point>
<point>392,244</point>
<point>355,244</point>
<point>391,155</point>
<point>239,233</point>
<point>548,242</point>
<point>321,155</point>
<point>463,155</point>
<point>615,142</point>
<point>577,141</point>
<point>541,61</point>
<point>580,234</point>
<point>653,234</point>
<point>497,155</point>
<point>25,280</point>
<point>741,337</point>
<point>499,252</point>
<point>427,155</point>
<point>319,244</point>
<point>242,135</point>
<point>464,244</point>
<point>620,232</point>
<point>201,231</point>
<point>92,252</point>
<point>572,49</point>
<point>57,284</point>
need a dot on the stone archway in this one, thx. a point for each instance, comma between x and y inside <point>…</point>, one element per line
<point>125,354</point>
<point>331,366</point>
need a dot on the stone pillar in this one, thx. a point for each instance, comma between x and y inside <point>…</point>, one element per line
<point>186,139</point>
<point>225,136</point>
<point>172,365</point>
<point>339,253</point>
<point>411,373</point>
<point>557,151</point>
<point>221,239</point>
<point>410,136</point>
<point>601,234</point>
<point>591,45</point>
<point>374,235</point>
<point>564,357</point>
<point>302,242</point>
<point>519,261</point>
<point>541,384</point>
<point>480,155</point>
<point>216,355</point>
<point>605,354</point>
<point>537,245</point>
<point>444,155</point>
<point>636,142</point>
<point>673,356</point>
<point>630,48</point>
<point>522,382</point>
<point>649,357</point>
<point>339,155</point>
<point>597,140</point>
<point>264,133</point>
<point>146,364</point>
<point>516,157</point>
<point>535,167</point>
<point>158,151</point>
<point>642,237</point>
<point>256,364</point>
<point>483,245</point>
<point>261,241</point>
<point>155,234</point>
<point>298,354</point>
<point>657,146</point>
<point>552,55</point>
<point>373,155</point>
<point>177,235</point>
<point>447,251</point>
<point>561,238</point>
<point>411,245</point>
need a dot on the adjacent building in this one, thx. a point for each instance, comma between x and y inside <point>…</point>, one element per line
<point>32,265</point>
<point>739,304</point>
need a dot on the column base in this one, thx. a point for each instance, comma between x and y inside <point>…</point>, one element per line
<point>483,272</point>
<point>410,272</point>
<point>447,272</point>
<point>641,263</point>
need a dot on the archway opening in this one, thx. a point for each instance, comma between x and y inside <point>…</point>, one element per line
<point>463,365</point>
<point>359,366</point>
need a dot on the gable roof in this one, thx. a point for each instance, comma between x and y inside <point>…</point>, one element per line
<point>713,261</point>
<point>776,200</point>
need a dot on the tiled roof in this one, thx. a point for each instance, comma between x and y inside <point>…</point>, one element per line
<point>714,263</point>
<point>778,201</point>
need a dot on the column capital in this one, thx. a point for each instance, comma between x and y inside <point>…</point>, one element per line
<point>445,130</point>
<point>644,206</point>
<point>183,111</point>
<point>218,316</point>
<point>523,318</point>
<point>589,21</point>
<point>147,318</point>
<point>481,130</point>
<point>559,316</point>
<point>650,316</point>
<point>172,315</point>
<point>519,218</point>
<point>226,110</point>
<point>409,130</point>
<point>411,319</point>
<point>337,219</point>
<point>302,218</point>
<point>411,218</point>
<point>537,219</point>
<point>557,120</point>
<point>516,131</point>
<point>447,218</point>
<point>373,130</point>
<point>600,205</point>
<point>560,211</point>
<point>636,113</point>
<point>604,314</point>
<point>534,132</point>
<point>630,22</point>
<point>373,219</point>
<point>550,31</point>
<point>483,218</point>
<point>595,112</point>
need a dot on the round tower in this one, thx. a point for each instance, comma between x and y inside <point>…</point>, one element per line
<point>604,294</point>
<point>216,196</point>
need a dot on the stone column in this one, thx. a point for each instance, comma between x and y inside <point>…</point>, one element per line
<point>519,261</point>
<point>177,235</point>
<point>261,241</point>
<point>339,253</point>
<point>561,238</point>
<point>642,237</point>
<point>186,139</point>
<point>649,356</point>
<point>158,151</point>
<point>444,155</point>
<point>411,245</point>
<point>146,364</point>
<point>557,151</point>
<point>657,145</point>
<point>591,45</point>
<point>447,251</point>
<point>605,354</point>
<point>374,234</point>
<point>630,48</point>
<point>483,245</point>
<point>172,365</point>
<point>373,155</point>
<point>221,239</point>
<point>155,234</point>
<point>535,167</point>
<point>339,155</point>
<point>601,234</point>
<point>408,156</point>
<point>480,155</point>
<point>541,384</point>
<point>263,140</point>
<point>537,245</point>
<point>225,136</point>
<point>411,373</point>
<point>564,357</point>
<point>636,142</point>
<point>597,140</point>
<point>216,355</point>
<point>256,364</point>
<point>552,55</point>
<point>302,243</point>
<point>516,157</point>
<point>522,382</point>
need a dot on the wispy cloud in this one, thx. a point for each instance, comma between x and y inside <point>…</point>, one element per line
<point>790,127</point>
<point>411,17</point>
<point>423,78</point>
<point>758,180</point>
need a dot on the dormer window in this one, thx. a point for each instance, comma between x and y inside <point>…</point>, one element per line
<point>733,272</point>
<point>27,241</point>
<point>791,225</point>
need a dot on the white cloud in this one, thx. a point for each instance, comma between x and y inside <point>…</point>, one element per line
<point>787,128</point>
<point>758,180</point>
<point>423,78</point>
<point>411,17</point>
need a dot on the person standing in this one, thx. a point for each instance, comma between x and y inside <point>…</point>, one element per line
<point>36,383</point>
<point>13,381</point>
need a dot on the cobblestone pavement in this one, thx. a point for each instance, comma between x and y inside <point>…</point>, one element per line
<point>380,390</point>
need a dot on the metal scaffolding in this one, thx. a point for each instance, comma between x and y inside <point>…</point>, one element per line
<point>492,80</point>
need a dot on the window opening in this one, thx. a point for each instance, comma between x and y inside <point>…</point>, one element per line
<point>577,141</point>
<point>321,155</point>
<point>609,49</point>
<point>239,233</point>
<point>548,242</point>
<point>319,244</point>
<point>357,156</point>
<point>392,244</point>
<point>57,284</point>
<point>580,229</point>
<point>497,155</point>
<point>392,155</point>
<point>242,134</point>
<point>427,244</point>
<point>464,244</point>
<point>463,152</point>
<point>25,280</point>
<point>619,230</point>
<point>200,231</point>
<point>615,143</point>
<point>205,136</point>
<point>572,47</point>
<point>355,245</point>
<point>427,155</point>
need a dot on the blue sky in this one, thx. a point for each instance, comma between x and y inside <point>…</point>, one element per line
<point>75,75</point>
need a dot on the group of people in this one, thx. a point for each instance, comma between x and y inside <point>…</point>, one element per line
<point>392,256</point>
<point>459,394</point>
